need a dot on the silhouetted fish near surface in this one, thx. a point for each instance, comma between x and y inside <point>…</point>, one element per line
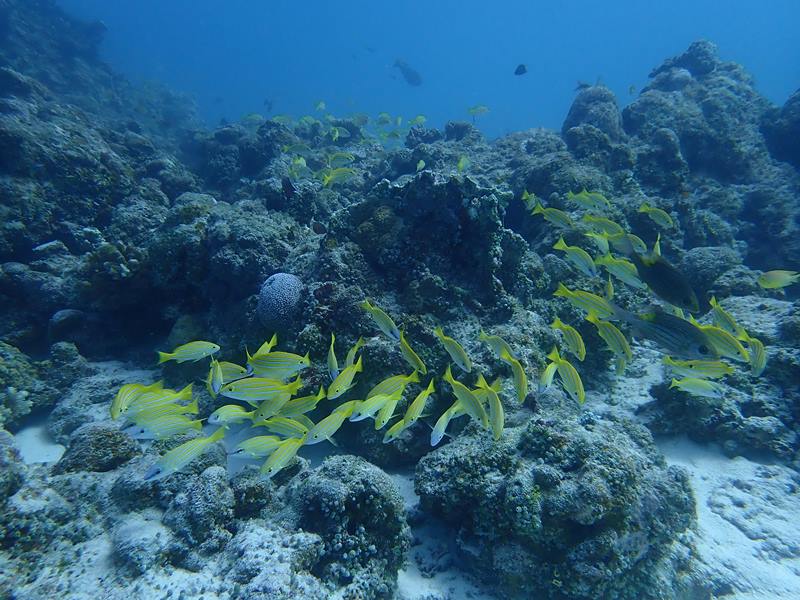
<point>520,70</point>
<point>411,76</point>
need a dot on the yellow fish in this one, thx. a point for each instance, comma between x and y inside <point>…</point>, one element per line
<point>162,427</point>
<point>478,109</point>
<point>659,217</point>
<point>344,381</point>
<point>325,429</point>
<point>553,215</point>
<point>179,457</point>
<point>392,384</point>
<point>230,414</point>
<point>546,378</point>
<point>496,412</point>
<point>758,356</point>
<point>463,164</point>
<point>229,371</point>
<point>283,426</point>
<point>257,446</point>
<point>412,358</point>
<point>603,225</point>
<point>724,320</point>
<point>467,399</point>
<point>278,365</point>
<point>455,350</point>
<point>569,377</point>
<point>613,337</point>
<point>282,456</point>
<point>698,369</point>
<point>496,343</point>
<point>128,393</point>
<point>771,280</point>
<point>572,338</point>
<point>369,407</point>
<point>520,379</point>
<point>333,364</point>
<point>699,387</point>
<point>622,269</point>
<point>585,301</point>
<point>578,257</point>
<point>382,320</point>
<point>723,342</point>
<point>590,200</point>
<point>351,354</point>
<point>301,406</point>
<point>155,398</point>
<point>193,351</point>
<point>255,390</point>
<point>420,165</point>
<point>339,175</point>
<point>414,410</point>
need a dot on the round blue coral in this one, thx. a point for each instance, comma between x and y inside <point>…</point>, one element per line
<point>279,299</point>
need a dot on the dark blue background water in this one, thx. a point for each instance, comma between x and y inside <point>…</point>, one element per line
<point>233,55</point>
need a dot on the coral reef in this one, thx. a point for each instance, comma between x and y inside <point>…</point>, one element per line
<point>126,226</point>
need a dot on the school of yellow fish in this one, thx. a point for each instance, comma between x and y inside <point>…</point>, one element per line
<point>270,381</point>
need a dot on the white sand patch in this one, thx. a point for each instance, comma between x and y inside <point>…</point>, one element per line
<point>35,444</point>
<point>748,529</point>
<point>431,572</point>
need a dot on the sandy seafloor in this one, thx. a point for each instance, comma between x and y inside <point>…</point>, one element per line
<point>748,513</point>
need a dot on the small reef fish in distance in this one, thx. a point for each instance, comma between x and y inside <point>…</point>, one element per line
<point>521,69</point>
<point>412,77</point>
<point>590,200</point>
<point>193,351</point>
<point>333,363</point>
<point>698,369</point>
<point>520,379</point>
<point>570,379</point>
<point>382,320</point>
<point>773,280</point>
<point>177,458</point>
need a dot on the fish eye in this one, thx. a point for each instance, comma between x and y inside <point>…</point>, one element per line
<point>703,349</point>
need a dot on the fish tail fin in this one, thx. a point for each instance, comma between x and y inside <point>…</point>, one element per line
<point>186,392</point>
<point>358,366</point>
<point>560,244</point>
<point>365,304</point>
<point>448,374</point>
<point>562,290</point>
<point>196,425</point>
<point>307,358</point>
<point>414,377</point>
<point>554,355</point>
<point>673,383</point>
<point>538,208</point>
<point>192,407</point>
<point>217,435</point>
<point>164,357</point>
<point>431,386</point>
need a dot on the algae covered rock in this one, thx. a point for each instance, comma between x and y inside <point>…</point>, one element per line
<point>359,514</point>
<point>577,508</point>
<point>21,388</point>
<point>11,468</point>
<point>97,447</point>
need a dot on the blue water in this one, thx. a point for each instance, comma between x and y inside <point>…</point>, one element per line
<point>231,56</point>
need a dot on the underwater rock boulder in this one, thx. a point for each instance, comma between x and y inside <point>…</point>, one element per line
<point>359,514</point>
<point>97,447</point>
<point>781,129</point>
<point>140,543</point>
<point>596,106</point>
<point>22,388</point>
<point>579,507</point>
<point>202,515</point>
<point>12,469</point>
<point>712,108</point>
<point>267,562</point>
